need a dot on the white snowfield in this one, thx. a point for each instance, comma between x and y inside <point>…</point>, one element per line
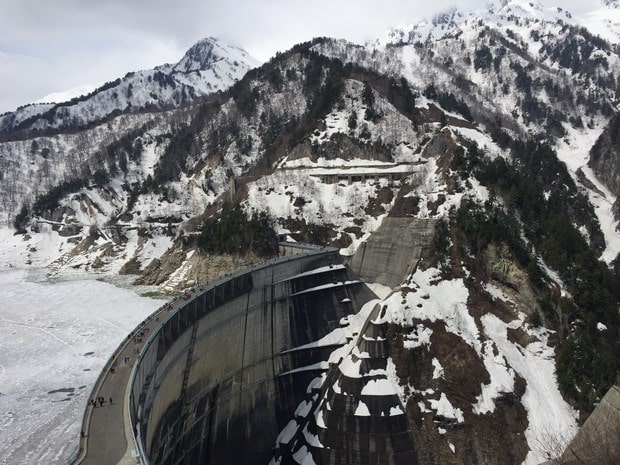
<point>54,341</point>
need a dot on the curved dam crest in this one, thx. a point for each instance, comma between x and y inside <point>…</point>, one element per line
<point>218,382</point>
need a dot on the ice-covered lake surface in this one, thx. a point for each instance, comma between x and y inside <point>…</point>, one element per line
<point>54,340</point>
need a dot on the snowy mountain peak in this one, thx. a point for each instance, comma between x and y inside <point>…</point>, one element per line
<point>199,56</point>
<point>204,53</point>
<point>210,65</point>
<point>447,17</point>
<point>612,3</point>
<point>529,6</point>
<point>526,9</point>
<point>69,94</point>
<point>495,12</point>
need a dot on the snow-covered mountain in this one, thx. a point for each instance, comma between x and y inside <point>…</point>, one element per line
<point>208,66</point>
<point>603,21</point>
<point>47,144</point>
<point>68,94</point>
<point>491,132</point>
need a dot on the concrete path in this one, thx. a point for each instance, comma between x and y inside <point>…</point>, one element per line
<point>106,427</point>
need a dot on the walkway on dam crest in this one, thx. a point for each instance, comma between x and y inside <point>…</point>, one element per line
<point>106,429</point>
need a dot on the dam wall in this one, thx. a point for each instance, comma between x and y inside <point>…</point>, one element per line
<point>217,381</point>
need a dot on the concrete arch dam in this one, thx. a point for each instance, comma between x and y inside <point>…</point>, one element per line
<point>221,380</point>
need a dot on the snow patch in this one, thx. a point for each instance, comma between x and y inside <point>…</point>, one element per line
<point>419,337</point>
<point>546,409</point>
<point>378,387</point>
<point>502,379</point>
<point>444,408</point>
<point>433,298</point>
<point>438,371</point>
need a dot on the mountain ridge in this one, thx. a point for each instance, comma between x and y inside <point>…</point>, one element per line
<point>209,65</point>
<point>482,133</point>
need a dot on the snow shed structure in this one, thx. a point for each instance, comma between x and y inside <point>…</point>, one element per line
<point>221,378</point>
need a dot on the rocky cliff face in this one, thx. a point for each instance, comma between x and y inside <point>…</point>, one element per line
<point>605,159</point>
<point>184,267</point>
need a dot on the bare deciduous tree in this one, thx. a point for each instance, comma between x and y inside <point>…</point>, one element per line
<point>596,443</point>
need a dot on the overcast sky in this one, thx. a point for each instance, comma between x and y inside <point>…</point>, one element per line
<point>53,45</point>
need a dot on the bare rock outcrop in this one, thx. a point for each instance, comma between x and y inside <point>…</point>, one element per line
<point>182,267</point>
<point>605,159</point>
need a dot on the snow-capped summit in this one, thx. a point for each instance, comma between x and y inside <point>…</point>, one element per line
<point>210,65</point>
<point>422,31</point>
<point>524,9</point>
<point>204,53</point>
<point>447,22</point>
<point>200,55</point>
<point>527,6</point>
<point>604,21</point>
<point>69,94</point>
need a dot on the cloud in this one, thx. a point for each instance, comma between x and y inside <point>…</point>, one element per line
<point>18,77</point>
